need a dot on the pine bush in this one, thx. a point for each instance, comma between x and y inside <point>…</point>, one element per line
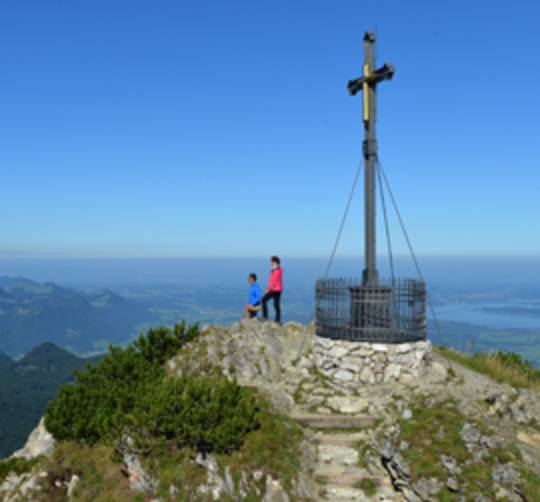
<point>210,414</point>
<point>129,393</point>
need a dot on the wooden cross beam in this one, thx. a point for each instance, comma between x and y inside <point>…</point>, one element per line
<point>371,77</point>
<point>385,72</point>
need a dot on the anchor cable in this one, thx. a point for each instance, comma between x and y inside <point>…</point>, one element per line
<point>336,244</point>
<point>386,228</point>
<point>396,315</point>
<point>344,219</point>
<point>409,245</point>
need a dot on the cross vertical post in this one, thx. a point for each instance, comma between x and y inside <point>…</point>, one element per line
<point>370,275</point>
<point>368,85</point>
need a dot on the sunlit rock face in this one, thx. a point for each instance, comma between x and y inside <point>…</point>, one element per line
<point>39,443</point>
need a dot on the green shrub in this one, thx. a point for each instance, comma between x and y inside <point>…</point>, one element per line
<point>208,414</point>
<point>160,344</point>
<point>128,392</point>
<point>98,404</point>
<point>95,406</point>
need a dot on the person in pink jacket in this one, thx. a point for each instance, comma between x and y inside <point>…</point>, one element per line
<point>275,288</point>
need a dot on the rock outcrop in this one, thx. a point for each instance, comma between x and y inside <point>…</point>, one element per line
<point>18,487</point>
<point>39,443</point>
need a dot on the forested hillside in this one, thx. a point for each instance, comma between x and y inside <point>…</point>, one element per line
<point>26,386</point>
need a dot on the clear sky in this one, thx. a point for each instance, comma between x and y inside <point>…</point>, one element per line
<point>223,128</point>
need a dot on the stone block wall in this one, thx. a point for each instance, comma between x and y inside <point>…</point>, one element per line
<point>350,363</point>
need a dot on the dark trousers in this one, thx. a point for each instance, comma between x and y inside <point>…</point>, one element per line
<point>276,295</point>
<point>253,312</point>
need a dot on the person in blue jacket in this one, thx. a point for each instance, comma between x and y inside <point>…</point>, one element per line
<point>254,298</point>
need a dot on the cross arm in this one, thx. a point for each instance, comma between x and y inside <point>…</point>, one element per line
<point>385,72</point>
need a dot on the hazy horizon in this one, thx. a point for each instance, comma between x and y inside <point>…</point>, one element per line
<point>482,270</point>
<point>491,301</point>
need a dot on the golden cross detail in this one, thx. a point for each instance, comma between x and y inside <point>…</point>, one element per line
<point>370,77</point>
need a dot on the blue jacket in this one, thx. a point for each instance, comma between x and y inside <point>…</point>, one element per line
<point>255,295</point>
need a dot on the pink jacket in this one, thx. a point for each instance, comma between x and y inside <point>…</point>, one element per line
<point>276,280</point>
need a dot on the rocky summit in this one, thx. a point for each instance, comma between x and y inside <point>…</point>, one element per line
<point>366,423</point>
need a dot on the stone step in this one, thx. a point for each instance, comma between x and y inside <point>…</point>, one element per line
<point>343,476</point>
<point>337,455</point>
<point>341,439</point>
<point>315,421</point>
<point>339,493</point>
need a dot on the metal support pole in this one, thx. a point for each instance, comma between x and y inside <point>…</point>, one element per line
<point>367,83</point>
<point>370,275</point>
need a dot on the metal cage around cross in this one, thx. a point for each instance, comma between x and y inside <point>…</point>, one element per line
<point>369,309</point>
<point>386,313</point>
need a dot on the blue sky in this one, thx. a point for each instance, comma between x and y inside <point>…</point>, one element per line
<point>212,128</point>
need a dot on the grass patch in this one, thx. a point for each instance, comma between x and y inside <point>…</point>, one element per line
<point>434,430</point>
<point>451,374</point>
<point>503,367</point>
<point>322,379</point>
<point>534,424</point>
<point>101,478</point>
<point>531,483</point>
<point>15,465</point>
<point>368,486</point>
<point>363,454</point>
<point>299,391</point>
<point>175,468</point>
<point>349,430</point>
<point>273,448</point>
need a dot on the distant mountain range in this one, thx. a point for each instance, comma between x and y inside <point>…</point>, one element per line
<point>27,385</point>
<point>83,322</point>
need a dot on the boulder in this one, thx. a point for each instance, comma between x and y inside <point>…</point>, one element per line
<point>427,489</point>
<point>354,364</point>
<point>274,491</point>
<point>392,372</point>
<point>343,376</point>
<point>337,351</point>
<point>367,375</point>
<point>139,479</point>
<point>403,348</point>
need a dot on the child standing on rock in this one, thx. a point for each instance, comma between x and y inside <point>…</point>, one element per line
<point>275,288</point>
